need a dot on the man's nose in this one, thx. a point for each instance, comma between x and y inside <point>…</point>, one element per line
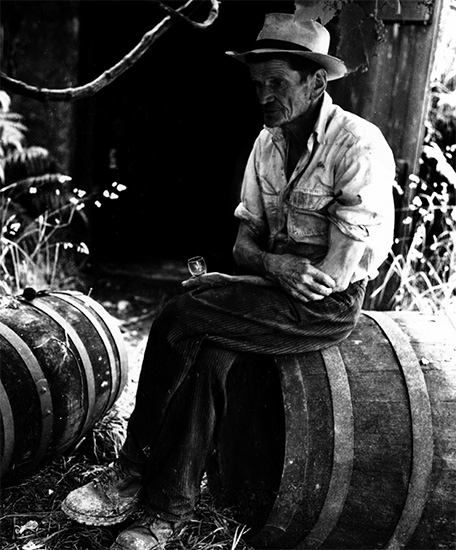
<point>264,95</point>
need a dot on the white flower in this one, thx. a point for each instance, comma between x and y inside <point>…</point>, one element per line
<point>83,248</point>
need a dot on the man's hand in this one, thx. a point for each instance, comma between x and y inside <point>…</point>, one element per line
<point>215,278</point>
<point>299,277</point>
<point>293,273</point>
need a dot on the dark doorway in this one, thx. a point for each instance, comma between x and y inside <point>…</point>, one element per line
<point>175,129</point>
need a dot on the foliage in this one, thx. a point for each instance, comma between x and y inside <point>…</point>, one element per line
<point>426,272</point>
<point>11,129</point>
<point>44,231</point>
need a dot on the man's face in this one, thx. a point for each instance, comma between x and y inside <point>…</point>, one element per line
<point>282,93</point>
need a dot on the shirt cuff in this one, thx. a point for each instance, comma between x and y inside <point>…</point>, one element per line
<point>356,232</point>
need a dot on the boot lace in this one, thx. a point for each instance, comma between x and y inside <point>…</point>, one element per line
<point>107,480</point>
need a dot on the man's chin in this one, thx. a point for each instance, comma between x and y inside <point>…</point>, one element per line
<point>272,122</point>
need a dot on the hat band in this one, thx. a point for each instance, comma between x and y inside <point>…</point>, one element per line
<point>270,43</point>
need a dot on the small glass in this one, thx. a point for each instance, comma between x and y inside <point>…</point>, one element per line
<point>197,266</point>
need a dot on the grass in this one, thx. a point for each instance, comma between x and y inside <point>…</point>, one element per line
<point>35,257</point>
<point>425,275</point>
<point>32,519</point>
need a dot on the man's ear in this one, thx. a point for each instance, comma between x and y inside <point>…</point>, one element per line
<point>320,81</point>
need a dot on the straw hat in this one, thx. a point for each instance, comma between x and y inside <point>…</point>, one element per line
<point>290,33</point>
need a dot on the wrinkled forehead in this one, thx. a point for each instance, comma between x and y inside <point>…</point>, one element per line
<point>268,68</point>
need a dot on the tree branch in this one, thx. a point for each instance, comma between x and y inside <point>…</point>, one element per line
<point>108,76</point>
<point>213,14</point>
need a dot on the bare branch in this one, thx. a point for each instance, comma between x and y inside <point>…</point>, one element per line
<point>108,76</point>
<point>213,14</point>
<point>89,89</point>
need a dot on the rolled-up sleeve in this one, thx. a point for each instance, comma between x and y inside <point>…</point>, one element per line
<point>364,176</point>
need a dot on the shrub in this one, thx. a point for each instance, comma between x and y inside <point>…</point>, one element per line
<point>44,231</point>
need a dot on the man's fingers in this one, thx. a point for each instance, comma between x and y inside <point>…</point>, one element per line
<point>299,296</point>
<point>309,285</point>
<point>306,295</point>
<point>192,283</point>
<point>317,288</point>
<point>319,277</point>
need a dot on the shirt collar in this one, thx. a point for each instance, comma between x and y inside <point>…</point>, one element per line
<point>322,121</point>
<point>320,126</point>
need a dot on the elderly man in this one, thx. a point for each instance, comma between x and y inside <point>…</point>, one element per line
<point>316,217</point>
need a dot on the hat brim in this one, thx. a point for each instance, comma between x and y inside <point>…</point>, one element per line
<point>334,66</point>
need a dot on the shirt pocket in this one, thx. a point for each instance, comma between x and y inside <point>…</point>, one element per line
<point>272,203</point>
<point>307,219</point>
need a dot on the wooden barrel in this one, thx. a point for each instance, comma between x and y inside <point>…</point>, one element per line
<point>63,365</point>
<point>351,447</point>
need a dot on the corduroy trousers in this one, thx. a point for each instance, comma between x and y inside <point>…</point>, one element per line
<point>181,394</point>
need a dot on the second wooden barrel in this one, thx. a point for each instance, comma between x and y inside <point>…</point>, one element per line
<point>351,447</point>
<point>63,365</point>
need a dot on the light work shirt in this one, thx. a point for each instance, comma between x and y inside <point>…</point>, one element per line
<point>345,177</point>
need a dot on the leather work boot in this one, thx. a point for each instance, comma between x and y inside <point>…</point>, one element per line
<point>107,500</point>
<point>148,533</point>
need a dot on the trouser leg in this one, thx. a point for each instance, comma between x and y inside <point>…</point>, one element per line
<point>175,467</point>
<point>173,429</point>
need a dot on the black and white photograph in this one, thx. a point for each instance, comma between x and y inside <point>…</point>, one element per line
<point>227,274</point>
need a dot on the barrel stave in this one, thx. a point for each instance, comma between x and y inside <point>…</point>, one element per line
<point>58,359</point>
<point>314,459</point>
<point>382,442</point>
<point>20,391</point>
<point>381,462</point>
<point>96,370</point>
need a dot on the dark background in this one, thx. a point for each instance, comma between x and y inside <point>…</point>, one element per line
<point>181,121</point>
